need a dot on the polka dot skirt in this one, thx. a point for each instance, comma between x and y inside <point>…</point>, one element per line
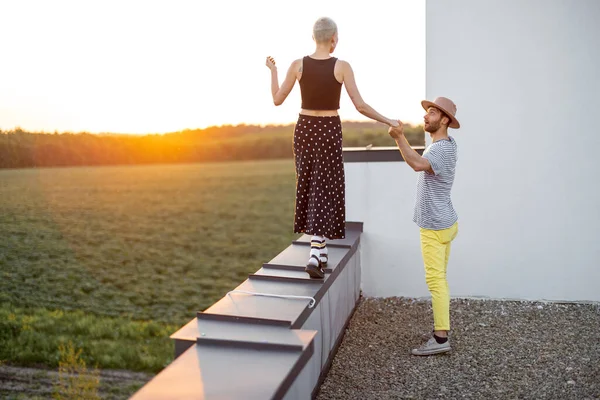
<point>320,186</point>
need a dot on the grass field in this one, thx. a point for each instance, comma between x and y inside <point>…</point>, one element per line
<point>117,258</point>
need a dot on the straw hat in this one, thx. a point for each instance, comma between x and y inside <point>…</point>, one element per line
<point>446,106</point>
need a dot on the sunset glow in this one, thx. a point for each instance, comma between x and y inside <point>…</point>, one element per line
<point>150,66</point>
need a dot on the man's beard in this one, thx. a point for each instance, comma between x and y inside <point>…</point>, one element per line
<point>432,127</point>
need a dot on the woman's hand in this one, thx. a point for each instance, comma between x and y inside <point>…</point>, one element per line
<point>270,63</point>
<point>396,131</point>
<point>394,123</point>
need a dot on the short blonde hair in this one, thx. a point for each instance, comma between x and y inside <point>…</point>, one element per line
<point>324,29</point>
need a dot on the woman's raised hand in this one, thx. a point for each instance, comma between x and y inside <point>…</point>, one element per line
<point>396,131</point>
<point>270,62</point>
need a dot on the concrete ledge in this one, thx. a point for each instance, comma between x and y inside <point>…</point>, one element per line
<point>302,332</point>
<point>234,369</point>
<point>375,154</point>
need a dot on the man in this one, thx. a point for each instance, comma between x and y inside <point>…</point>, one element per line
<point>434,213</point>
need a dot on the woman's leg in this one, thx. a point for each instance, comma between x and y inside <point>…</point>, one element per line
<point>303,165</point>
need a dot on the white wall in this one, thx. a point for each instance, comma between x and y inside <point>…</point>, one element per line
<point>381,194</point>
<point>525,75</point>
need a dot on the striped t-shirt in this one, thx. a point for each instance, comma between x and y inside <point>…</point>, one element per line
<point>433,207</point>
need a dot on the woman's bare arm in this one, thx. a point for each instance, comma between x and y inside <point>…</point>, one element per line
<point>361,106</point>
<point>281,93</point>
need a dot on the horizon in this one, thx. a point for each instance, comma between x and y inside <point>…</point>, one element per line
<point>155,67</point>
<point>223,126</point>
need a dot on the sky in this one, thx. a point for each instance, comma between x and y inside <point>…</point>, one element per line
<point>132,66</point>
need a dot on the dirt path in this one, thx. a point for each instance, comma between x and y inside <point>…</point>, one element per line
<point>37,383</point>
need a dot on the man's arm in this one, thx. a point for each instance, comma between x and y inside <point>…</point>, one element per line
<point>412,158</point>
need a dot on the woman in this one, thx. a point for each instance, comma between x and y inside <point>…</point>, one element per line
<point>320,187</point>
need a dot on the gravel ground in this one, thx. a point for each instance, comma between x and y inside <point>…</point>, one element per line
<point>500,350</point>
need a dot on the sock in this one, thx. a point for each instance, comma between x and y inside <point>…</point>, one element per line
<point>324,256</point>
<point>440,340</point>
<point>315,250</point>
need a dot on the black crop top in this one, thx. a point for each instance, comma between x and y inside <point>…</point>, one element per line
<point>318,86</point>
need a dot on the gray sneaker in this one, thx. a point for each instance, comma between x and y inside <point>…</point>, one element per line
<point>432,347</point>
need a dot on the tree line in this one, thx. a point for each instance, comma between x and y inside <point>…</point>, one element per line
<point>21,149</point>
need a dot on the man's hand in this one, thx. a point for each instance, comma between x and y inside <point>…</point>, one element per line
<point>396,131</point>
<point>270,63</point>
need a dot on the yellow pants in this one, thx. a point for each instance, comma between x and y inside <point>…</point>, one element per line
<point>435,246</point>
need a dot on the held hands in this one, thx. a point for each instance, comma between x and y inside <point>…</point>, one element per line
<point>271,63</point>
<point>396,131</point>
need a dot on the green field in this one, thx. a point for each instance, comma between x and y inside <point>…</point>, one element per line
<point>117,258</point>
